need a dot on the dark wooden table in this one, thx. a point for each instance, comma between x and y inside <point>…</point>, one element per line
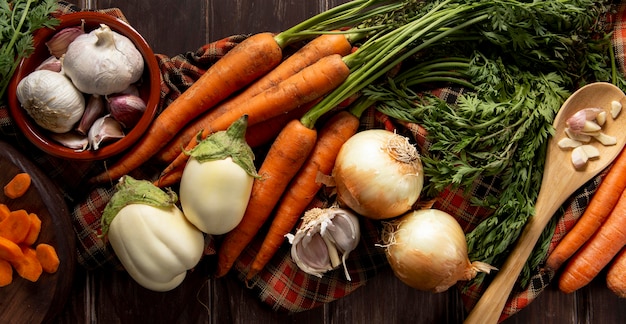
<point>105,296</point>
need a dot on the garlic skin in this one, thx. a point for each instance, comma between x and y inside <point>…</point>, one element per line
<point>104,129</point>
<point>324,240</point>
<point>103,62</point>
<point>51,100</point>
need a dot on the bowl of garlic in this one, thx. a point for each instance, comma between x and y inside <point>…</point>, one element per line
<point>90,89</point>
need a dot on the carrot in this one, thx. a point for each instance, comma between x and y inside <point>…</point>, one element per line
<point>305,86</point>
<point>18,185</point>
<point>15,227</point>
<point>9,250</point>
<point>4,211</point>
<point>303,188</point>
<point>247,61</point>
<point>33,230</point>
<point>598,251</point>
<point>6,273</point>
<point>29,266</point>
<point>310,53</point>
<point>48,257</point>
<point>616,276</point>
<point>600,206</point>
<point>265,132</point>
<point>283,160</point>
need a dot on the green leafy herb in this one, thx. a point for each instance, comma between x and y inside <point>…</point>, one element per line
<point>18,21</point>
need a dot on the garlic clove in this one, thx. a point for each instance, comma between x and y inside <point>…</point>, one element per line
<point>344,230</point>
<point>616,108</point>
<point>566,143</point>
<point>57,45</point>
<point>77,142</point>
<point>605,139</point>
<point>126,109</point>
<point>601,118</point>
<point>95,109</point>
<point>579,158</point>
<point>104,130</point>
<point>51,64</point>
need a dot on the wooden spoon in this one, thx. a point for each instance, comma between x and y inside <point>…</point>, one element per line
<point>560,181</point>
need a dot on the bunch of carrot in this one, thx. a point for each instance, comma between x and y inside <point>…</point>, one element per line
<point>240,67</point>
<point>19,231</point>
<point>598,238</point>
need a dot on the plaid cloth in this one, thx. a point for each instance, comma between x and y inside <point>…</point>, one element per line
<point>282,285</point>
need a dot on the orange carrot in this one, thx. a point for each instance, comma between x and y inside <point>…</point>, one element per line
<point>18,185</point>
<point>6,273</point>
<point>283,160</point>
<point>15,227</point>
<point>247,61</point>
<point>48,257</point>
<point>598,251</point>
<point>600,206</point>
<point>616,276</point>
<point>28,267</point>
<point>4,211</point>
<point>303,188</point>
<point>305,86</point>
<point>9,250</point>
<point>310,53</point>
<point>34,229</point>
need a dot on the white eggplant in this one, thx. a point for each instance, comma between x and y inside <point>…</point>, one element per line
<point>217,181</point>
<point>153,240</point>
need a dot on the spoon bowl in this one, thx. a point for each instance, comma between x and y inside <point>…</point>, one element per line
<point>560,180</point>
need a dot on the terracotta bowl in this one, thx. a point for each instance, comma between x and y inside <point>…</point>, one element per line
<point>149,88</point>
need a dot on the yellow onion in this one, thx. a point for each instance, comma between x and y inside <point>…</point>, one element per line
<point>378,174</point>
<point>427,250</point>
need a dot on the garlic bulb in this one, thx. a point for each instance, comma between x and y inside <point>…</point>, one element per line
<point>102,62</point>
<point>51,100</point>
<point>322,237</point>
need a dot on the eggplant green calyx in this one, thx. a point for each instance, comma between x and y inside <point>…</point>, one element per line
<point>229,143</point>
<point>131,191</point>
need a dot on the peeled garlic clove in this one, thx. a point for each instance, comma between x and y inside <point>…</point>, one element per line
<point>57,45</point>
<point>616,108</point>
<point>104,129</point>
<point>322,237</point>
<point>51,64</point>
<point>95,109</point>
<point>127,109</point>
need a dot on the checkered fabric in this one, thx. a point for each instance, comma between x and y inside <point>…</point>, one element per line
<point>282,285</point>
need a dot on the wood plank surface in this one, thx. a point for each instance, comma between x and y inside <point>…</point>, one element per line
<point>108,296</point>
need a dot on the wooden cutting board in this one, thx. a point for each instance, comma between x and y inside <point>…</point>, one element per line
<point>37,302</point>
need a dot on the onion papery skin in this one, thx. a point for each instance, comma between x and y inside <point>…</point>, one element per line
<point>426,250</point>
<point>373,182</point>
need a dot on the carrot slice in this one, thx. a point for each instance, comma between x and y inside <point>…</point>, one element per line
<point>18,186</point>
<point>29,266</point>
<point>15,227</point>
<point>4,211</point>
<point>48,257</point>
<point>34,229</point>
<point>9,250</point>
<point>6,273</point>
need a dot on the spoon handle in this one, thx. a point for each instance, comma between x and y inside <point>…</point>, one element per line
<point>490,305</point>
